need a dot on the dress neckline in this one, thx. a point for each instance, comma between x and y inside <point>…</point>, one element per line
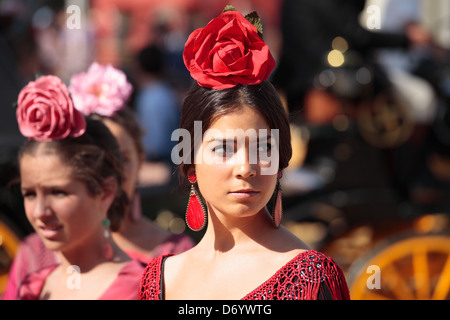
<point>43,273</point>
<point>287,264</point>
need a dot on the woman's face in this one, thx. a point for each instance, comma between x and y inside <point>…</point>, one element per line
<point>230,167</point>
<point>130,155</point>
<point>59,207</point>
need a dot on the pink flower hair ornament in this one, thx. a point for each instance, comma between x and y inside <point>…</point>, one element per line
<point>102,90</point>
<point>228,51</point>
<point>45,111</point>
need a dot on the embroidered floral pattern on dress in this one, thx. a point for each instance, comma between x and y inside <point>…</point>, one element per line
<point>303,278</point>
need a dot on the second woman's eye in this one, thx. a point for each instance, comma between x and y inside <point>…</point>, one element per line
<point>59,193</point>
<point>28,194</point>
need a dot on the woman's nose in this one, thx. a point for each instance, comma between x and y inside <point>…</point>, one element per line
<point>245,167</point>
<point>41,208</point>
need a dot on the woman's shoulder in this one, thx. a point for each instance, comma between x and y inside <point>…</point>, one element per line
<point>150,283</point>
<point>306,276</point>
<point>314,265</point>
<point>126,282</point>
<point>313,260</point>
<point>173,244</point>
<point>31,286</point>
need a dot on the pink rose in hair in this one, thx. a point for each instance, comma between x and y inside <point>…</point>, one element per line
<point>45,111</point>
<point>102,90</point>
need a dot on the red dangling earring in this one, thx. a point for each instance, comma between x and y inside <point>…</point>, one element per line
<point>195,212</point>
<point>277,209</point>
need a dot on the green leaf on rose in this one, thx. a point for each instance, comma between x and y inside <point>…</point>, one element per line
<point>229,7</point>
<point>254,19</point>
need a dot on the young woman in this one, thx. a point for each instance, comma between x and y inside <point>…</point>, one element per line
<point>138,236</point>
<point>102,93</point>
<point>71,175</point>
<point>245,252</point>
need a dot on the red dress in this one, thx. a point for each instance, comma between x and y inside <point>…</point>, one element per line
<point>311,275</point>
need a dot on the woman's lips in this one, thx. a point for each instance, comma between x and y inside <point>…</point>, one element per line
<point>50,231</point>
<point>247,193</point>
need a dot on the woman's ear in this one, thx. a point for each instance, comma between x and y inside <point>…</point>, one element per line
<point>109,192</point>
<point>190,170</point>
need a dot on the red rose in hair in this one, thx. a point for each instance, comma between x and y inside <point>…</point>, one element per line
<point>45,111</point>
<point>227,52</point>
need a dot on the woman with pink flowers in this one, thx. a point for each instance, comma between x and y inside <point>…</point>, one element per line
<point>102,93</point>
<point>246,252</point>
<point>71,175</point>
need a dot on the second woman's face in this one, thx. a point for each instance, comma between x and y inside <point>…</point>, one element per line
<point>230,174</point>
<point>59,208</point>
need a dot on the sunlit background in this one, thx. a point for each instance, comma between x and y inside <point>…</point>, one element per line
<point>369,180</point>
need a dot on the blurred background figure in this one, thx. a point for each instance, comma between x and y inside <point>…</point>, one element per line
<point>400,64</point>
<point>157,104</point>
<point>304,57</point>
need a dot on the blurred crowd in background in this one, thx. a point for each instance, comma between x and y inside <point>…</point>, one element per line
<point>51,37</point>
<point>332,57</point>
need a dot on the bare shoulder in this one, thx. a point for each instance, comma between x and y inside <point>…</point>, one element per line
<point>175,263</point>
<point>284,240</point>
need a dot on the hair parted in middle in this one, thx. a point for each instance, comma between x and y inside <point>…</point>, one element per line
<point>205,105</point>
<point>231,65</point>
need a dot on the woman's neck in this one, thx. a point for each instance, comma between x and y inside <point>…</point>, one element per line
<point>223,235</point>
<point>89,257</point>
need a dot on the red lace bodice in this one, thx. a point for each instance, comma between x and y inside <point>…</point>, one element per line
<point>310,275</point>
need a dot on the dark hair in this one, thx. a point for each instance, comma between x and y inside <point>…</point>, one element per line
<point>204,104</point>
<point>94,156</point>
<point>126,118</point>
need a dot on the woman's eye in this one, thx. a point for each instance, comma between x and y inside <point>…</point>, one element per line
<point>59,193</point>
<point>223,150</point>
<point>28,194</point>
<point>264,147</point>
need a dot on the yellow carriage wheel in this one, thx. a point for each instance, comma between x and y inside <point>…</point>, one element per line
<point>413,268</point>
<point>9,243</point>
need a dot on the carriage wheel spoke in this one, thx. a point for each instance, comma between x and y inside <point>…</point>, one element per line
<point>400,288</point>
<point>443,284</point>
<point>421,275</point>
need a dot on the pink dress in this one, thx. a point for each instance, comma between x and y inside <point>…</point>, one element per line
<point>33,255</point>
<point>123,288</point>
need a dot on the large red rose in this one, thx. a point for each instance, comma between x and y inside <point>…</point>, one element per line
<point>226,52</point>
<point>45,111</point>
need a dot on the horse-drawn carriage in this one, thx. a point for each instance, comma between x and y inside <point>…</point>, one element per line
<point>373,188</point>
